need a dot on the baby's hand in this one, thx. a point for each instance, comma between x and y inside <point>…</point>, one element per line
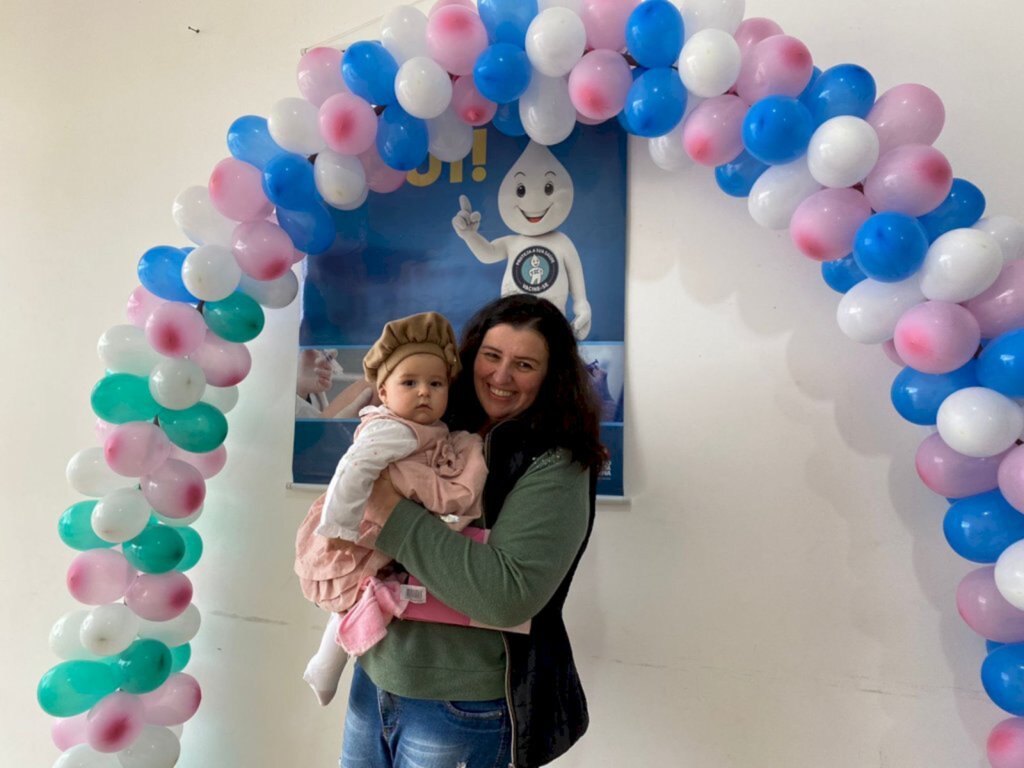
<point>466,221</point>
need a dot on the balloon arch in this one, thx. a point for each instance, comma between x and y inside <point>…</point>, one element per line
<point>853,177</point>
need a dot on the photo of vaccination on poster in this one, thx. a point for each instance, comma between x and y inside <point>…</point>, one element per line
<point>399,254</point>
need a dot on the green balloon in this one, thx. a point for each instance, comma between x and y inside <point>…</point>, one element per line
<point>193,548</point>
<point>198,429</point>
<point>144,666</point>
<point>237,318</point>
<point>73,687</point>
<point>121,397</point>
<point>158,549</point>
<point>180,656</point>
<point>75,527</point>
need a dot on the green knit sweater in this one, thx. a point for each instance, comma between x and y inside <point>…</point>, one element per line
<point>503,583</point>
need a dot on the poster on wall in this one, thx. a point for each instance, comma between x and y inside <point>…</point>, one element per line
<point>513,216</point>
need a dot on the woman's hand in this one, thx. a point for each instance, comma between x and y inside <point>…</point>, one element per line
<point>383,500</point>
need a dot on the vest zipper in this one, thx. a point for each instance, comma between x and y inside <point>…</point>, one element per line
<point>508,698</point>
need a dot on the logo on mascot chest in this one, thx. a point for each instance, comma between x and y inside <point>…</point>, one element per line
<point>535,269</point>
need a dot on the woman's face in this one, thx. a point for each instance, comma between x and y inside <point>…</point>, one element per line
<point>509,370</point>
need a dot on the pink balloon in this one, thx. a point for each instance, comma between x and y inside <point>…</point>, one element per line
<point>890,351</point>
<point>598,84</point>
<point>263,250</point>
<point>986,611</point>
<point>1005,746</point>
<point>174,702</point>
<point>99,576</point>
<point>952,474</point>
<point>115,722</point>
<point>589,120</point>
<point>936,336</point>
<point>159,596</point>
<point>605,22</point>
<point>912,179</point>
<point>444,3</point>
<point>236,190</point>
<point>469,104</point>
<point>175,329</point>
<point>176,489</point>
<point>1000,308</point>
<point>66,732</point>
<point>102,429</point>
<point>713,132</point>
<point>141,304</point>
<point>824,224</point>
<point>779,65</point>
<point>907,114</point>
<point>455,38</point>
<point>380,177</point>
<point>136,448</point>
<point>1010,477</point>
<point>348,124</point>
<point>319,75</point>
<point>752,31</point>
<point>208,464</point>
<point>225,363</point>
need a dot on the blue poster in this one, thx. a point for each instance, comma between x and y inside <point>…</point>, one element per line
<point>513,216</point>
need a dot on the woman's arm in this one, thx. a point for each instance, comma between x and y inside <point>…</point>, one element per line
<point>531,547</point>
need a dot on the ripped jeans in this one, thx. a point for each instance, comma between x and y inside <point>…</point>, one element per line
<point>383,730</point>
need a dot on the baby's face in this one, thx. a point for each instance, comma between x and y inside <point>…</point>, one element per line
<point>417,389</point>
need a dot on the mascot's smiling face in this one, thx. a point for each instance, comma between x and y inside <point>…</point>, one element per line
<point>536,194</point>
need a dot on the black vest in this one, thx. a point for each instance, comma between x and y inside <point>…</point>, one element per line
<point>544,690</point>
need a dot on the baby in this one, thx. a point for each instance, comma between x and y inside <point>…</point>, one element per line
<point>411,365</point>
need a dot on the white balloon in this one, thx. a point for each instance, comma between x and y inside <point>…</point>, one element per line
<point>210,272</point>
<point>120,515</point>
<point>66,640</point>
<point>200,222</point>
<point>576,6</point>
<point>403,31</point>
<point>1007,231</point>
<point>545,110</point>
<point>778,192</point>
<point>709,62</point>
<point>1009,574</point>
<point>979,422</point>
<point>272,294</point>
<point>357,203</point>
<point>555,41</point>
<point>842,151</point>
<point>222,398</point>
<point>124,349</point>
<point>423,88</point>
<point>84,756</point>
<point>181,629</point>
<point>177,383</point>
<point>155,747</point>
<point>340,179</point>
<point>294,124</point>
<point>109,629</point>
<point>960,264</point>
<point>450,138</point>
<point>869,311</point>
<point>179,522</point>
<point>667,151</point>
<point>87,472</point>
<point>711,14</point>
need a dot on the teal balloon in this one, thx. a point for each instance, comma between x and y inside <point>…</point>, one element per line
<point>144,666</point>
<point>193,548</point>
<point>75,527</point>
<point>121,397</point>
<point>158,549</point>
<point>73,687</point>
<point>180,657</point>
<point>198,429</point>
<point>237,318</point>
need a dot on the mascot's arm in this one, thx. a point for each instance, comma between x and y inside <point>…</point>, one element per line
<point>578,289</point>
<point>466,224</point>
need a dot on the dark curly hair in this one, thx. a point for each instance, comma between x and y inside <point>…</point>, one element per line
<point>566,413</point>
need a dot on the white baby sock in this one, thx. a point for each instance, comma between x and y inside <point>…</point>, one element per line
<point>323,672</point>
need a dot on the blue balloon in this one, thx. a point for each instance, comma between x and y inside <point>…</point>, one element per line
<point>655,103</point>
<point>917,396</point>
<point>777,130</point>
<point>736,178</point>
<point>249,141</point>
<point>502,73</point>
<point>991,645</point>
<point>1002,675</point>
<point>312,230</point>
<point>842,274</point>
<point>160,273</point>
<point>506,21</point>
<point>506,120</point>
<point>962,208</point>
<point>369,72</point>
<point>980,527</point>
<point>288,182</point>
<point>636,73</point>
<point>1001,364</point>
<point>402,139</point>
<point>845,89</point>
<point>654,33</point>
<point>890,246</point>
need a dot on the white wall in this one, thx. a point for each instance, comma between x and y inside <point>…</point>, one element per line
<point>779,592</point>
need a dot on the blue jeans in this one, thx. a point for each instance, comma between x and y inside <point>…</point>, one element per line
<point>383,730</point>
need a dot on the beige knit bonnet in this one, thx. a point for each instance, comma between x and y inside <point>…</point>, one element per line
<point>427,333</point>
